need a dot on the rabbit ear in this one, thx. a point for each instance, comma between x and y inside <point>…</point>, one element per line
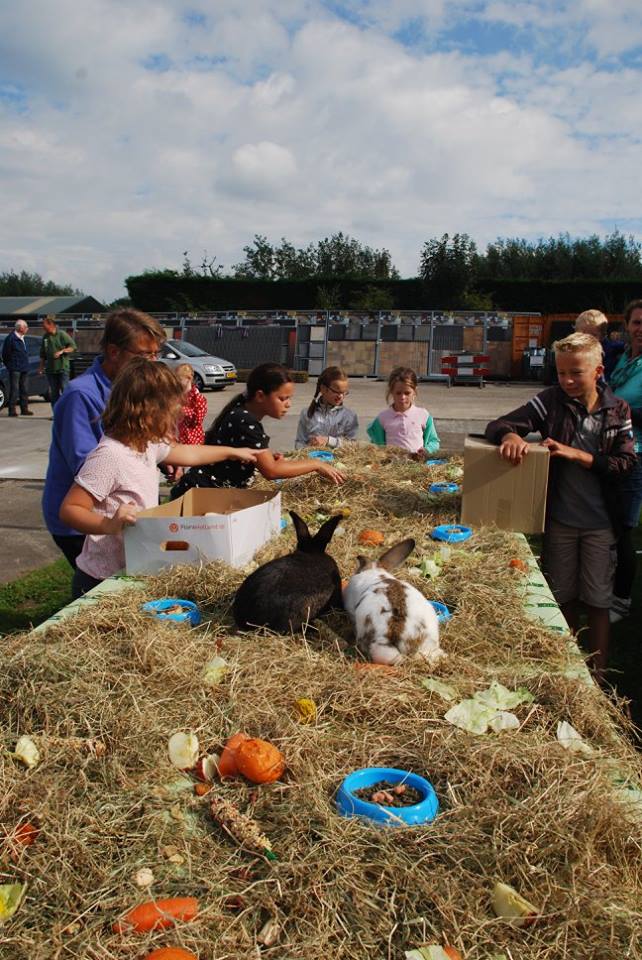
<point>301,528</point>
<point>324,534</point>
<point>362,563</point>
<point>396,555</point>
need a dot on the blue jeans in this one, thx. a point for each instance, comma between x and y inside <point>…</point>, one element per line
<point>18,390</point>
<point>631,493</point>
<point>57,384</point>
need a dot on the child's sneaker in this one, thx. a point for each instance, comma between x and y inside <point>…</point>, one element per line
<point>620,609</point>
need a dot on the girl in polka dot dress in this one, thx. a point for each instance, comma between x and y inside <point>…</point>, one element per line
<point>268,393</point>
<point>190,425</point>
<point>120,477</point>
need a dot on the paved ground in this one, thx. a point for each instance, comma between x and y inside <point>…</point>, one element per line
<point>25,444</point>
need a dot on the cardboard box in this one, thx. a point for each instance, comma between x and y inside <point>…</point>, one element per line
<point>179,531</point>
<point>496,492</point>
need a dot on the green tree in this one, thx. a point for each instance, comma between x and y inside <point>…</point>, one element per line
<point>25,284</point>
<point>449,266</point>
<point>335,256</point>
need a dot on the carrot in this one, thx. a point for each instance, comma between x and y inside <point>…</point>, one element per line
<point>451,952</point>
<point>171,953</point>
<point>155,914</point>
<point>26,834</point>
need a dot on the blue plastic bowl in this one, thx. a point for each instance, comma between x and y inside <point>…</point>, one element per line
<point>350,806</point>
<point>321,455</point>
<point>190,612</point>
<point>452,533</point>
<point>284,524</point>
<point>442,611</point>
<point>445,487</point>
<point>436,462</point>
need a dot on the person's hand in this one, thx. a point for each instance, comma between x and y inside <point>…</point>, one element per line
<point>244,454</point>
<point>513,448</point>
<point>319,441</point>
<point>125,516</point>
<point>420,455</point>
<point>557,449</point>
<point>327,471</point>
<point>58,353</point>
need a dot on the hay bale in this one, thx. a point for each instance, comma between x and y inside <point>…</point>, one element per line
<point>515,807</point>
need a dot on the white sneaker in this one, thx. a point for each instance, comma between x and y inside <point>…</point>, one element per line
<point>620,609</point>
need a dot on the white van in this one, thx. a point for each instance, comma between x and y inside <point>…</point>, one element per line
<point>209,371</point>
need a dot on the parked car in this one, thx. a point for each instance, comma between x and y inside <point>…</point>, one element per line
<point>209,371</point>
<point>37,383</point>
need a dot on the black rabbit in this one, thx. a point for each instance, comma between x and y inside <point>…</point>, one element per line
<point>287,592</point>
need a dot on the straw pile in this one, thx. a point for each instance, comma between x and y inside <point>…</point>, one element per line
<point>515,807</point>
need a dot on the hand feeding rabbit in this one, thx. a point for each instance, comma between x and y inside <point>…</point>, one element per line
<point>392,619</point>
<point>285,593</point>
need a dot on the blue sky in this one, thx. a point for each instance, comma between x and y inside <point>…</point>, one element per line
<point>132,130</point>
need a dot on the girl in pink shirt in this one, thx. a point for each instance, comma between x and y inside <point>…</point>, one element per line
<point>402,424</point>
<point>119,478</point>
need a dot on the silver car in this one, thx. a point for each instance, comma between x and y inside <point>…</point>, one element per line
<point>209,371</point>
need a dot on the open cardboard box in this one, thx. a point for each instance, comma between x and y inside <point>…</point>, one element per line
<point>497,492</point>
<point>180,532</point>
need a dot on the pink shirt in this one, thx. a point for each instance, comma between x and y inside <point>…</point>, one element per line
<point>405,430</point>
<point>115,474</point>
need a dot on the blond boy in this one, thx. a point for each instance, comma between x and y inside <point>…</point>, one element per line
<point>588,433</point>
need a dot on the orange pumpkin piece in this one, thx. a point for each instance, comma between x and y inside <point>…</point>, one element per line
<point>227,766</point>
<point>371,538</point>
<point>452,953</point>
<point>517,564</point>
<point>157,914</point>
<point>200,789</point>
<point>171,953</point>
<point>26,834</point>
<point>260,761</point>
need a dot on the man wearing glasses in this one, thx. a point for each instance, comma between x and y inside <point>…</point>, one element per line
<point>77,424</point>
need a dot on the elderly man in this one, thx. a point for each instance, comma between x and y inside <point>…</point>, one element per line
<point>16,360</point>
<point>55,349</point>
<point>77,426</point>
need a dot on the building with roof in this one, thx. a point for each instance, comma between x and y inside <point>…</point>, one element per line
<point>36,307</point>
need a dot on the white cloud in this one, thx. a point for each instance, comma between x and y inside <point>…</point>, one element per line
<point>285,120</point>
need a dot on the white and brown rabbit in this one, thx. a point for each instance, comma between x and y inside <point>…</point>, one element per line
<point>287,592</point>
<point>392,620</point>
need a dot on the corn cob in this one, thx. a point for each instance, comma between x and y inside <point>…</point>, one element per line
<point>242,828</point>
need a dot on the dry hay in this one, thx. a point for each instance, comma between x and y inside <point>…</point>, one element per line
<point>516,807</point>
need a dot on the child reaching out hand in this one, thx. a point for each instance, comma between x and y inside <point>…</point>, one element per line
<point>268,393</point>
<point>119,478</point>
<point>402,424</point>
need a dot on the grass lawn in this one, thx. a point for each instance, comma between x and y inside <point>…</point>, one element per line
<point>26,602</point>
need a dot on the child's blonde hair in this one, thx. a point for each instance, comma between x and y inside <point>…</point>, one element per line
<point>184,370</point>
<point>593,322</point>
<point>144,404</point>
<point>401,375</point>
<point>580,343</point>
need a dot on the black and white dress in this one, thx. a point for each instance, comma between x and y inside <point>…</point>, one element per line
<point>239,428</point>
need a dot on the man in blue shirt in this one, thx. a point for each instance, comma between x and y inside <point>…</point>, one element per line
<point>77,425</point>
<point>16,360</point>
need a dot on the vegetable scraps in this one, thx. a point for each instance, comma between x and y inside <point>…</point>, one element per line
<point>157,914</point>
<point>11,895</point>
<point>257,760</point>
<point>27,752</point>
<point>183,749</point>
<point>171,953</point>
<point>510,905</point>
